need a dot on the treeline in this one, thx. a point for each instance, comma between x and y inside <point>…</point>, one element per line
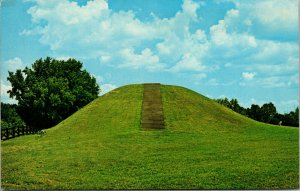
<point>267,113</point>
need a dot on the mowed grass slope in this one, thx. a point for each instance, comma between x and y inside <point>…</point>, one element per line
<point>203,146</point>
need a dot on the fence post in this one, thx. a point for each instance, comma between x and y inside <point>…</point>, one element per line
<point>18,131</point>
<point>7,134</point>
<point>13,132</point>
<point>22,130</point>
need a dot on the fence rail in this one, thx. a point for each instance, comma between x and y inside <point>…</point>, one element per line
<point>13,132</point>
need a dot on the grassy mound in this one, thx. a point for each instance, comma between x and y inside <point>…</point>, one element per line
<point>203,146</point>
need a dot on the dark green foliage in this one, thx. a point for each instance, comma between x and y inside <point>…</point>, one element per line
<point>51,90</point>
<point>267,113</point>
<point>9,116</point>
<point>292,118</point>
<point>254,112</point>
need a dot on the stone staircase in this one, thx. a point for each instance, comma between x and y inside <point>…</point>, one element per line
<point>152,111</point>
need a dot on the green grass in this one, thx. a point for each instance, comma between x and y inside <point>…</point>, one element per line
<point>204,146</point>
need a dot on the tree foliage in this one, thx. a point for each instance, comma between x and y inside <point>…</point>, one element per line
<point>9,116</point>
<point>51,90</point>
<point>292,118</point>
<point>254,112</point>
<point>266,113</point>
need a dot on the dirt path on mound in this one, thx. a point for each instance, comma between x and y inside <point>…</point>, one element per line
<point>152,111</point>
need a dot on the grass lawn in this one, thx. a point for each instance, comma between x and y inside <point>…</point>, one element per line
<point>204,146</point>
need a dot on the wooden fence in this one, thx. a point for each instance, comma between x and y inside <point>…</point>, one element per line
<point>13,132</point>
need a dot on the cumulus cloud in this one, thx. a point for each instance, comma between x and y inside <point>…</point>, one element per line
<point>4,88</point>
<point>145,59</point>
<point>177,44</point>
<point>270,49</point>
<point>285,19</point>
<point>244,48</point>
<point>190,8</point>
<point>188,62</point>
<point>220,37</point>
<point>268,18</point>
<point>248,75</point>
<point>219,34</point>
<point>94,25</point>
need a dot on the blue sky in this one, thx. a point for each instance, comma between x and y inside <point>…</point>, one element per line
<point>244,49</point>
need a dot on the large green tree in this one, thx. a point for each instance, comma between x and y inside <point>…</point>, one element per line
<point>51,90</point>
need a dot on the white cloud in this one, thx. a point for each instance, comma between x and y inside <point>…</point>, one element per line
<point>188,63</point>
<point>280,14</point>
<point>144,60</point>
<point>4,95</point>
<point>14,64</point>
<point>248,75</point>
<point>190,8</point>
<point>232,13</point>
<point>267,18</point>
<point>93,26</point>
<point>220,36</point>
<point>270,49</point>
<point>273,60</point>
<point>164,48</point>
<point>121,40</point>
<point>90,27</point>
<point>105,88</point>
<point>4,88</point>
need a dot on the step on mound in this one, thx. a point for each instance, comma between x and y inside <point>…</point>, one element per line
<point>152,111</point>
